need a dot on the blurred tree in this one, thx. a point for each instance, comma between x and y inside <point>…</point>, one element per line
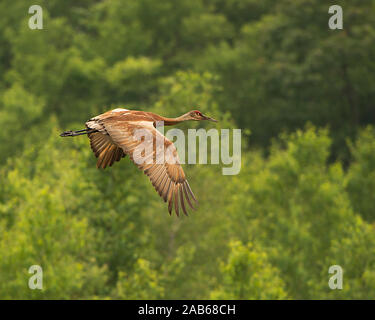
<point>134,80</point>
<point>144,284</point>
<point>19,112</point>
<point>361,174</point>
<point>248,275</point>
<point>296,208</point>
<point>38,228</point>
<point>287,67</point>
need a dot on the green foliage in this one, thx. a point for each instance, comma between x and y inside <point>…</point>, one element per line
<point>142,285</point>
<point>303,200</point>
<point>249,275</point>
<point>131,79</point>
<point>361,175</point>
<point>286,67</point>
<point>38,228</point>
<point>297,207</point>
<point>19,112</point>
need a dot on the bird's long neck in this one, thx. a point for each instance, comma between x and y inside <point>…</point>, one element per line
<point>172,121</point>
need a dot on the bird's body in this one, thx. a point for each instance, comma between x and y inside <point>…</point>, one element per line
<point>113,135</point>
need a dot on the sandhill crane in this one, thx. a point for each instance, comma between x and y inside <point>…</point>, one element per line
<point>112,137</point>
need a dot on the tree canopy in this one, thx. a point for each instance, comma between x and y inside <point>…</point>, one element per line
<point>304,198</point>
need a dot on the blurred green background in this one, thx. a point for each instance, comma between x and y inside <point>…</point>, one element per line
<point>305,197</point>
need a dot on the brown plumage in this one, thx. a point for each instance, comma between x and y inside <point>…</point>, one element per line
<point>112,137</point>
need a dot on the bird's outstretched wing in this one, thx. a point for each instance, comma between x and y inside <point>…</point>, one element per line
<point>167,177</point>
<point>104,149</point>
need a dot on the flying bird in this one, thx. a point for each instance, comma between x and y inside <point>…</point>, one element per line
<point>113,136</point>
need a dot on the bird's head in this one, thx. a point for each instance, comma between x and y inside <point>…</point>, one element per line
<point>197,116</point>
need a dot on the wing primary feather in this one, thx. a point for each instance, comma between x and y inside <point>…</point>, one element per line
<point>107,156</point>
<point>170,197</point>
<point>176,204</point>
<point>191,192</point>
<point>120,154</point>
<point>187,196</point>
<point>154,180</point>
<point>103,144</point>
<point>170,202</point>
<point>160,177</point>
<point>100,160</point>
<point>111,159</point>
<point>182,199</point>
<point>154,172</point>
<point>162,184</point>
<point>166,189</point>
<point>117,155</point>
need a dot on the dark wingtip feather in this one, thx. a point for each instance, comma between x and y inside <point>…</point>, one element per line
<point>176,207</point>
<point>170,200</point>
<point>185,187</point>
<point>182,200</point>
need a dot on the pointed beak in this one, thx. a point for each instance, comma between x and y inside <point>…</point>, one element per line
<point>210,119</point>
